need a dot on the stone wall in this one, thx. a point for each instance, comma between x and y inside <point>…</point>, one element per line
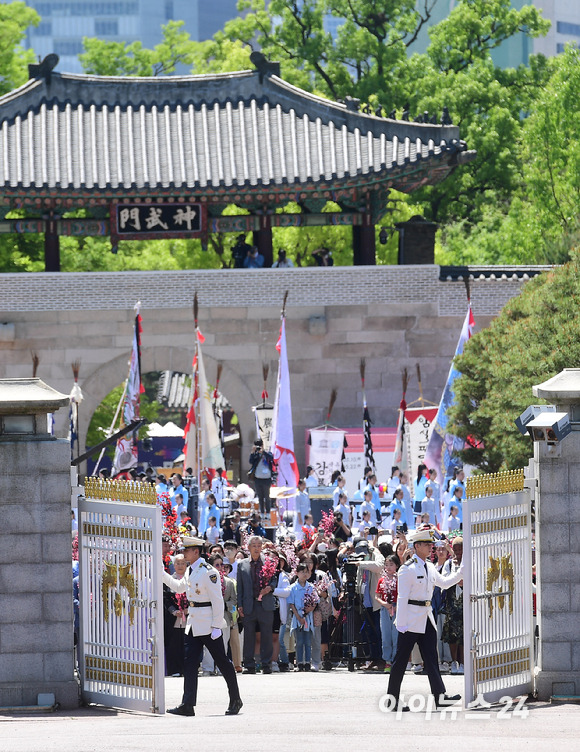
<point>394,316</point>
<point>558,564</point>
<point>36,615</point>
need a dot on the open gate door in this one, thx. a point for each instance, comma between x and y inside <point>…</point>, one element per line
<point>497,596</point>
<point>121,657</point>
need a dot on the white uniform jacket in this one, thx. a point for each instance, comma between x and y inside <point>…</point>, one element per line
<point>201,582</point>
<point>416,584</point>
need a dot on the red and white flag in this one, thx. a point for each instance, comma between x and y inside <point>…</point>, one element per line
<point>126,453</point>
<point>282,431</point>
<point>190,433</point>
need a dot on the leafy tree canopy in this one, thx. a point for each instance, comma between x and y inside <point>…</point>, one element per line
<point>534,338</point>
<point>15,18</point>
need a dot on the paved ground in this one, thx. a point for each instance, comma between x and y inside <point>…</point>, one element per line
<point>335,712</point>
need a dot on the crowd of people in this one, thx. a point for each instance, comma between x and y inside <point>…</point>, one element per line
<point>290,589</point>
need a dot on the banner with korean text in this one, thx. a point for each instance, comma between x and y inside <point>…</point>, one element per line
<point>326,452</point>
<point>418,427</point>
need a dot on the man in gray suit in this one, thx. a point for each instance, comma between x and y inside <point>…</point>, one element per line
<point>256,605</point>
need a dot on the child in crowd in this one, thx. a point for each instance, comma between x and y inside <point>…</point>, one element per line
<point>395,522</point>
<point>212,534</point>
<point>386,596</point>
<point>453,522</point>
<point>302,602</point>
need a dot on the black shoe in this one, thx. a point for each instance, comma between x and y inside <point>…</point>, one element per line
<point>300,667</point>
<point>249,671</point>
<point>307,667</point>
<point>234,707</point>
<point>445,700</point>
<point>283,667</point>
<point>182,710</point>
<point>267,669</point>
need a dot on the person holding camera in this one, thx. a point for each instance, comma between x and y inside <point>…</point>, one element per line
<point>261,465</point>
<point>370,569</point>
<point>341,531</point>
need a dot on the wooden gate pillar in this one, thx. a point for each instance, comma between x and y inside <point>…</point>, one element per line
<point>263,240</point>
<point>51,246</point>
<point>364,243</point>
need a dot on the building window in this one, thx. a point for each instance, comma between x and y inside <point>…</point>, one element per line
<point>570,29</point>
<point>88,9</point>
<point>68,46</point>
<point>44,29</point>
<point>108,28</point>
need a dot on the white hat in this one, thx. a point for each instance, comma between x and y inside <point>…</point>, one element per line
<point>188,541</point>
<point>423,534</point>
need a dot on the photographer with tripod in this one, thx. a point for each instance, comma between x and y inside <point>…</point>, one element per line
<point>261,464</point>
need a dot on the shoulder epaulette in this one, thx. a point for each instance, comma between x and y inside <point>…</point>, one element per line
<point>409,561</point>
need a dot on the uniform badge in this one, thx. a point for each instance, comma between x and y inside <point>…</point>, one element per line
<point>213,578</point>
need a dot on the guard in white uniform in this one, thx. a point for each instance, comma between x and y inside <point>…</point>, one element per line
<point>205,621</point>
<point>415,622</point>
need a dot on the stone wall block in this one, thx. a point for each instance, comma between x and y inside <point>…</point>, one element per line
<point>34,578</point>
<point>55,487</point>
<point>18,608</point>
<point>556,597</point>
<point>59,666</point>
<point>58,606</point>
<point>554,538</point>
<point>561,627</point>
<point>554,507</point>
<point>22,667</point>
<point>18,638</point>
<point>27,544</point>
<point>57,548</point>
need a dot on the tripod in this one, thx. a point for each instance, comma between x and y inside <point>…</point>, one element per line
<point>354,629</point>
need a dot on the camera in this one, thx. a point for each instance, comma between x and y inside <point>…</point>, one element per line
<point>549,427</point>
<point>338,516</point>
<point>350,566</point>
<point>373,531</point>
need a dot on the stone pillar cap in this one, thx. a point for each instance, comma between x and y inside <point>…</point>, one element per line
<point>564,388</point>
<point>28,396</point>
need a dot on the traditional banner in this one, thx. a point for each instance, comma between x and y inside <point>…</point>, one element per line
<point>443,446</point>
<point>190,432</point>
<point>126,453</point>
<point>418,428</point>
<point>326,452</point>
<point>282,429</point>
<point>211,450</point>
<point>264,418</point>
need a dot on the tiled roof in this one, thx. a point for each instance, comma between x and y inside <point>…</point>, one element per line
<point>70,133</point>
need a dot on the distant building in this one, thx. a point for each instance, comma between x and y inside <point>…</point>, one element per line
<point>64,23</point>
<point>563,14</point>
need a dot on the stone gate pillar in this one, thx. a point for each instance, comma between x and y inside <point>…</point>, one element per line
<point>36,615</point>
<point>557,469</point>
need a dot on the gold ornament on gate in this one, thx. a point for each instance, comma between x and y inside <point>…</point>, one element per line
<point>115,578</point>
<point>501,567</point>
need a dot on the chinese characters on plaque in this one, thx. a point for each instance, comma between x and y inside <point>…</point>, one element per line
<point>140,221</point>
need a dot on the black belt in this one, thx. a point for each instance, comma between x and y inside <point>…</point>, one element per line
<point>419,603</point>
<point>199,604</point>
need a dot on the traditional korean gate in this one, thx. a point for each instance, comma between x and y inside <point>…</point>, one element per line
<point>121,609</point>
<point>497,596</point>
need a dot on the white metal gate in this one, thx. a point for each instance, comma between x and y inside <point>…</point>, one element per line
<point>121,656</point>
<point>497,596</point>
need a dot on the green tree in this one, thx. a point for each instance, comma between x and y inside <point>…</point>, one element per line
<point>102,58</point>
<point>15,18</point>
<point>539,221</point>
<point>105,412</point>
<point>534,337</point>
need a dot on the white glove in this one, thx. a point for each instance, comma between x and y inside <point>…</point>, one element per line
<point>215,633</point>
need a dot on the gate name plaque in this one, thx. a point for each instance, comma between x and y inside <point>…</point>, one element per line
<point>147,221</point>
